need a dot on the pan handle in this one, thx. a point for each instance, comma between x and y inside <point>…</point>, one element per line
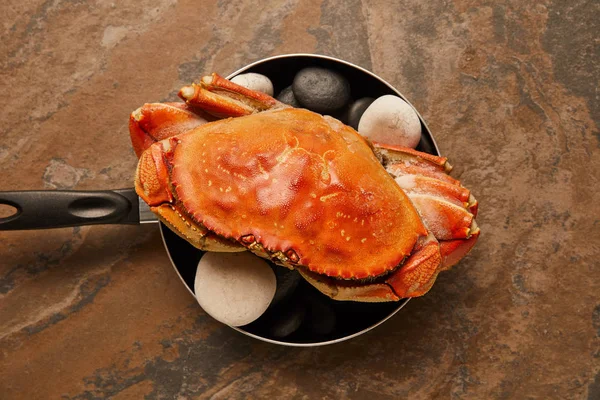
<point>43,209</point>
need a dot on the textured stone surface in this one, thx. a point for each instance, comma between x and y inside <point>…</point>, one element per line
<point>509,89</point>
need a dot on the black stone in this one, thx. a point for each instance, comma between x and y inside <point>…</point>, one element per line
<point>287,96</point>
<point>321,90</point>
<point>287,282</point>
<point>288,319</point>
<point>341,114</point>
<point>426,146</point>
<point>321,316</point>
<point>356,110</point>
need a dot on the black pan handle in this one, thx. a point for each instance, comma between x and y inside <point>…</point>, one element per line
<point>43,209</point>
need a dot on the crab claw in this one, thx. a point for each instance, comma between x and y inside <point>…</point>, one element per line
<point>152,177</point>
<point>157,121</point>
<point>413,278</point>
<point>152,183</point>
<point>419,272</point>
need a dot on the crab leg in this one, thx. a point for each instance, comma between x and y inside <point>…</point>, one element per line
<point>415,166</point>
<point>223,98</point>
<point>350,290</point>
<point>453,251</point>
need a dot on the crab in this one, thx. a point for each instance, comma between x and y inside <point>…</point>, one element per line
<point>231,169</point>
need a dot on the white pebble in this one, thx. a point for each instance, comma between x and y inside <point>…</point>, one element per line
<point>234,288</point>
<point>390,120</point>
<point>253,81</point>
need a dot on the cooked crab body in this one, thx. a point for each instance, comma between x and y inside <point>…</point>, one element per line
<point>360,222</point>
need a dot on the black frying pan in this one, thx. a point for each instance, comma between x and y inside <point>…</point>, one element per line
<point>57,209</point>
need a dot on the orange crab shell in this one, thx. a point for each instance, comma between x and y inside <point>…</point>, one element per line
<point>290,181</point>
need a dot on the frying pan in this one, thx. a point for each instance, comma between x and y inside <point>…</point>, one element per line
<point>58,208</point>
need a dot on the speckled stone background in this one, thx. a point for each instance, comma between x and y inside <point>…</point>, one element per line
<point>510,91</point>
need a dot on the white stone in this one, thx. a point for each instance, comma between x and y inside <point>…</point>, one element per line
<point>390,120</point>
<point>234,288</point>
<point>253,81</point>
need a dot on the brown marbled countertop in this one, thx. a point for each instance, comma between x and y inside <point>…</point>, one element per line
<point>510,91</point>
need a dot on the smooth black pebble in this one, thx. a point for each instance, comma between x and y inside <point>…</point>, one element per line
<point>288,320</point>
<point>321,316</point>
<point>287,96</point>
<point>287,282</point>
<point>321,90</point>
<point>356,110</point>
